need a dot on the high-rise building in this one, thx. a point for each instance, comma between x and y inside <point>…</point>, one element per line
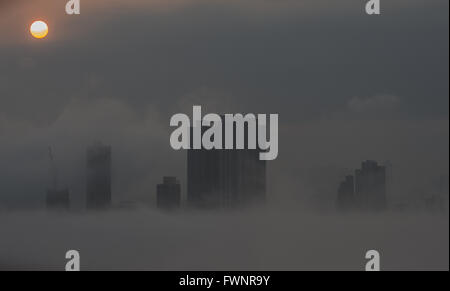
<point>370,186</point>
<point>225,178</point>
<point>346,194</point>
<point>168,196</point>
<point>98,186</point>
<point>58,199</point>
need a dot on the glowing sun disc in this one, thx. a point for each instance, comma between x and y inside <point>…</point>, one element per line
<point>39,29</point>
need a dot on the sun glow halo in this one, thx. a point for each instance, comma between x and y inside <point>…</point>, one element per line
<point>39,29</point>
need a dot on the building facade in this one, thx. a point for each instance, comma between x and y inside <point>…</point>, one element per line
<point>98,186</point>
<point>370,186</point>
<point>225,178</point>
<point>346,194</point>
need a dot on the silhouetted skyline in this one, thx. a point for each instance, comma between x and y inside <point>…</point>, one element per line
<point>366,190</point>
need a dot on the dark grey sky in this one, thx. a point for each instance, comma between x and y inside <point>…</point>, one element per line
<point>347,87</point>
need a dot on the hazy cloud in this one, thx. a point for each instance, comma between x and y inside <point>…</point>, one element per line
<point>256,240</point>
<point>120,70</point>
<point>372,104</point>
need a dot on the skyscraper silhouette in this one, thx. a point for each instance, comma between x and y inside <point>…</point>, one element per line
<point>225,178</point>
<point>57,198</point>
<point>370,186</point>
<point>367,190</point>
<point>98,186</point>
<point>346,194</point>
<point>168,195</point>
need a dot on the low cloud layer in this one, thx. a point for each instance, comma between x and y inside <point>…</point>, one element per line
<point>347,87</point>
<point>373,104</point>
<point>314,155</point>
<point>259,240</point>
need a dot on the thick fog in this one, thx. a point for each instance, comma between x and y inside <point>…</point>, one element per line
<point>347,88</point>
<point>256,240</point>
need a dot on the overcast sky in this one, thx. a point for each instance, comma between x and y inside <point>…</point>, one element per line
<point>347,86</point>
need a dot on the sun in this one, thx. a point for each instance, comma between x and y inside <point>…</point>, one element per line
<point>39,29</point>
